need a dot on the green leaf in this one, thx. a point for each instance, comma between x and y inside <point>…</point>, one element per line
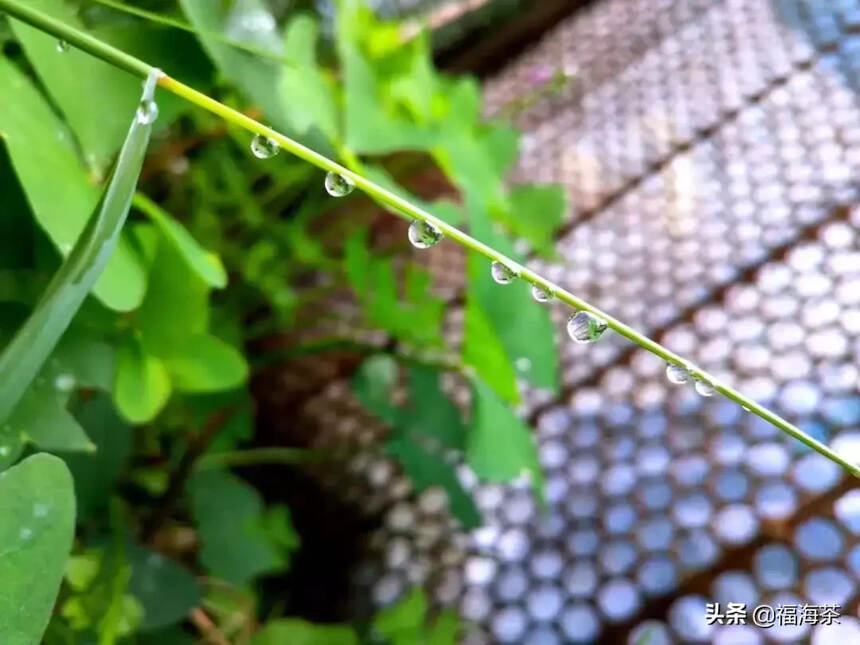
<point>37,505</point>
<point>446,630</point>
<point>229,515</point>
<point>60,194</point>
<point>425,468</point>
<point>536,213</point>
<point>255,75</point>
<point>499,446</point>
<point>205,264</point>
<point>165,590</point>
<point>35,340</point>
<point>403,623</point>
<point>74,78</point>
<point>205,363</point>
<point>176,306</point>
<point>429,412</point>
<point>483,350</point>
<point>142,385</point>
<point>41,416</point>
<point>305,90</point>
<point>96,474</point>
<point>296,631</point>
<point>372,384</point>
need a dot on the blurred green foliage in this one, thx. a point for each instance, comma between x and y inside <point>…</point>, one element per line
<point>221,249</point>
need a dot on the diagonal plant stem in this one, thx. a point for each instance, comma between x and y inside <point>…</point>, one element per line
<point>407,210</point>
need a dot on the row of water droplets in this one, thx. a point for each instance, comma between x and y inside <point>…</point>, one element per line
<point>582,326</point>
<point>336,185</point>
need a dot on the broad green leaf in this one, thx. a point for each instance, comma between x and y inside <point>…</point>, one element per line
<point>305,91</point>
<point>41,416</point>
<point>35,340</point>
<point>403,622</point>
<point>142,385</point>
<point>446,630</point>
<point>95,97</point>
<point>205,363</point>
<point>37,505</point>
<point>61,195</point>
<point>229,516</point>
<point>176,306</point>
<point>499,446</point>
<point>11,446</point>
<point>372,383</point>
<point>96,474</point>
<point>296,631</point>
<point>536,213</point>
<point>256,76</point>
<point>205,264</point>
<point>483,350</point>
<point>84,356</point>
<point>429,412</point>
<point>166,590</point>
<point>426,468</point>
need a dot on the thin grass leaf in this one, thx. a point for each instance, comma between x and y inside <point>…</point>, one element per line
<point>35,340</point>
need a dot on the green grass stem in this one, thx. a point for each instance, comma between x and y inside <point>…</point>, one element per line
<point>407,210</point>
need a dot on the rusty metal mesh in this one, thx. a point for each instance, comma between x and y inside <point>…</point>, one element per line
<point>709,149</point>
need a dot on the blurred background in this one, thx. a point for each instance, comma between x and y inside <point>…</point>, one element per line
<point>384,446</point>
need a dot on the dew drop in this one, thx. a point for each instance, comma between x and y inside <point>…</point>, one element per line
<point>264,147</point>
<point>40,510</point>
<point>502,273</point>
<point>584,327</point>
<point>64,383</point>
<point>25,533</point>
<point>338,185</point>
<point>523,364</point>
<point>677,374</point>
<point>147,112</point>
<point>62,46</point>
<point>704,388</point>
<point>5,450</point>
<point>540,294</point>
<point>423,235</point>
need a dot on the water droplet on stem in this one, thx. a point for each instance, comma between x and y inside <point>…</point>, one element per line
<point>704,388</point>
<point>540,294</point>
<point>62,46</point>
<point>264,147</point>
<point>502,274</point>
<point>147,112</point>
<point>338,185</point>
<point>423,235</point>
<point>677,374</point>
<point>584,327</point>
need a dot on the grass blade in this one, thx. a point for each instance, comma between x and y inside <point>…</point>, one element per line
<point>35,340</point>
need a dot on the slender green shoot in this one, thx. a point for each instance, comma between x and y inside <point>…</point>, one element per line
<point>408,211</point>
<point>255,456</point>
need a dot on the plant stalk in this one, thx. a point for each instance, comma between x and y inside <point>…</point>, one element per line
<point>405,209</point>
